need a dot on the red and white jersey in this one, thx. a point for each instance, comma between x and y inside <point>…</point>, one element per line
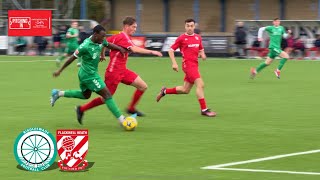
<point>118,61</point>
<point>189,45</point>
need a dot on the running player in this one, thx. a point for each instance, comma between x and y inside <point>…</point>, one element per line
<point>190,45</point>
<point>276,32</point>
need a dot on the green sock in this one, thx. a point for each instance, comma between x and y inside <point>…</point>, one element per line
<point>112,106</point>
<point>74,94</point>
<point>282,62</point>
<point>261,66</point>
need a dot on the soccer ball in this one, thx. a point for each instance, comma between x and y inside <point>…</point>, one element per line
<point>130,123</point>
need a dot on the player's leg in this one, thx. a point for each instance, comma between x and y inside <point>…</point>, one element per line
<point>141,86</point>
<point>185,89</point>
<point>56,94</point>
<point>112,87</point>
<point>200,95</point>
<point>111,104</point>
<point>285,56</point>
<point>271,55</point>
<point>63,56</point>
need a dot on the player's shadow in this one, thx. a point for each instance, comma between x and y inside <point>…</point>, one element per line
<point>55,166</point>
<point>52,167</point>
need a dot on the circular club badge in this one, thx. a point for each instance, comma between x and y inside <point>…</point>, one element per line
<point>35,149</point>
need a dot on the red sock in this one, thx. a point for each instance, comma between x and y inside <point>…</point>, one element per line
<point>136,97</point>
<point>95,102</point>
<point>171,91</point>
<point>203,104</point>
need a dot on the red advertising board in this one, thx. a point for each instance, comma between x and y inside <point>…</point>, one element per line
<point>29,23</point>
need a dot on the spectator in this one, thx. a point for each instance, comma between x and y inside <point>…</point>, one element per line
<point>82,34</point>
<point>56,41</point>
<point>41,43</point>
<point>299,48</point>
<point>197,30</point>
<point>20,46</point>
<point>289,44</point>
<point>240,40</point>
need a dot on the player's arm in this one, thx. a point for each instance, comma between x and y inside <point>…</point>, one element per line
<point>175,66</point>
<point>136,49</point>
<point>116,47</point>
<point>286,34</point>
<point>201,51</point>
<point>260,33</point>
<point>203,54</point>
<point>66,64</point>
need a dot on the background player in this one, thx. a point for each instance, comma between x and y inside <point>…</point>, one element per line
<point>190,45</point>
<point>117,71</point>
<point>276,32</point>
<point>72,42</point>
<point>88,75</point>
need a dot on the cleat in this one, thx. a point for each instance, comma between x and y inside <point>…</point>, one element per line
<point>208,113</point>
<point>161,94</point>
<point>253,73</point>
<point>54,96</point>
<point>79,114</point>
<point>135,113</point>
<point>277,73</point>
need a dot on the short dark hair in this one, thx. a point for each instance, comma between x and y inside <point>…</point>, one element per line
<point>275,19</point>
<point>189,20</point>
<point>129,20</point>
<point>98,28</point>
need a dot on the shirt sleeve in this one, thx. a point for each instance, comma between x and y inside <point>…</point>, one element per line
<point>80,51</point>
<point>176,44</point>
<point>200,45</point>
<point>105,43</point>
<point>269,29</point>
<point>125,43</point>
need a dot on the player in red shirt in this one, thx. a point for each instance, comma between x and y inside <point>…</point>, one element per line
<point>117,71</point>
<point>190,45</point>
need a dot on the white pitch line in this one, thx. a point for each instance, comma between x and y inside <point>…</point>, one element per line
<point>267,171</point>
<point>261,159</point>
<point>26,61</point>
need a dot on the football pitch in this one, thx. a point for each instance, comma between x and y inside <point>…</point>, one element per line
<point>266,128</point>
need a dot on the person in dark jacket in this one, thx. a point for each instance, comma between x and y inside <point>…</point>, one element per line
<point>240,40</point>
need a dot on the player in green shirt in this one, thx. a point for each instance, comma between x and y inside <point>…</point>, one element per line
<point>71,42</point>
<point>88,75</point>
<point>275,32</point>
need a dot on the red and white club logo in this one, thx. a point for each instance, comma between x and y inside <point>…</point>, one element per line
<point>72,148</point>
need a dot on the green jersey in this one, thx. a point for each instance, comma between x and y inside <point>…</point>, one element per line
<point>275,34</point>
<point>74,40</point>
<point>90,54</point>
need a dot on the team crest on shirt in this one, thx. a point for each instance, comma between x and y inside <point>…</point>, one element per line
<point>72,148</point>
<point>197,38</point>
<point>186,39</point>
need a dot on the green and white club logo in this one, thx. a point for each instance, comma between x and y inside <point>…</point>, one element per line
<point>35,149</point>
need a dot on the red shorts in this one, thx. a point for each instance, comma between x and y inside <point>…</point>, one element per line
<point>191,74</point>
<point>112,79</point>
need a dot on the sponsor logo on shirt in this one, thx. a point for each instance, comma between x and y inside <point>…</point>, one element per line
<point>193,45</point>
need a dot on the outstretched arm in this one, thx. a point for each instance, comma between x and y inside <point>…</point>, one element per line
<point>66,64</point>
<point>137,49</point>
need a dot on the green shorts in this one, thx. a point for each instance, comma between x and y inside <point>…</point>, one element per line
<point>274,52</point>
<point>70,49</point>
<point>91,82</point>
